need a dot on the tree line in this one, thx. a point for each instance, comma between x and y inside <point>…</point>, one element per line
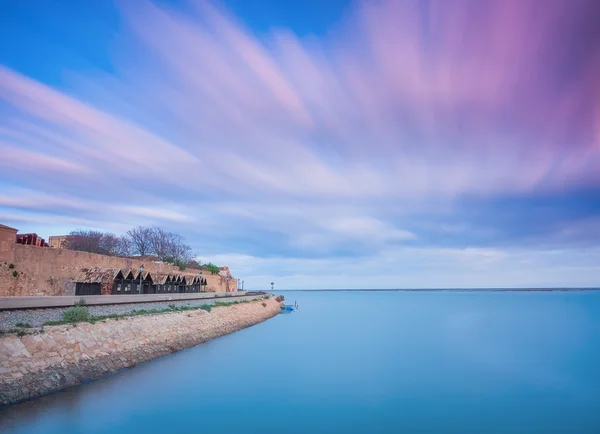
<point>169,247</point>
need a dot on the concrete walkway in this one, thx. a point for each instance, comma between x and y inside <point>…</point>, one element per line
<point>8,303</point>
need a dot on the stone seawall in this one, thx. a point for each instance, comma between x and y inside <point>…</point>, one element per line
<point>63,356</point>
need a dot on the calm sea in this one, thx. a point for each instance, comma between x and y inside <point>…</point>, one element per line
<point>361,362</point>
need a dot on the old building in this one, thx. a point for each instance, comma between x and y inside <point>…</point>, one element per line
<point>147,283</point>
<point>224,272</point>
<point>27,269</point>
<point>98,281</point>
<point>161,283</point>
<point>197,284</point>
<point>31,240</point>
<point>179,283</point>
<point>143,285</point>
<point>126,284</point>
<point>8,237</point>
<point>58,241</point>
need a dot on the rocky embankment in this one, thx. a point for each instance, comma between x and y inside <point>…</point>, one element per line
<point>63,356</point>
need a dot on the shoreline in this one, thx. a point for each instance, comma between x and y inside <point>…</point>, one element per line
<point>67,355</point>
<point>34,319</point>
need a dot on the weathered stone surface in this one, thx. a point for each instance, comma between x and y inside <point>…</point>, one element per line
<point>49,271</point>
<point>64,356</point>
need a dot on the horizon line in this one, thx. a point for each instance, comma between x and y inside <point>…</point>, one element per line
<point>582,288</point>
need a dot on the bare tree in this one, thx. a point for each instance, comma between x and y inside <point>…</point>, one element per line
<point>169,246</point>
<point>109,243</point>
<point>124,247</point>
<point>160,242</point>
<point>94,242</point>
<point>178,249</point>
<point>140,240</point>
<point>84,241</point>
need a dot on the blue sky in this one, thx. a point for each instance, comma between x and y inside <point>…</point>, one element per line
<point>334,144</point>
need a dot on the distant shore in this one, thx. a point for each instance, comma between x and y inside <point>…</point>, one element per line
<point>450,290</point>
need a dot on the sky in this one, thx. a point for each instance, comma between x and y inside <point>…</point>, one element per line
<point>315,144</point>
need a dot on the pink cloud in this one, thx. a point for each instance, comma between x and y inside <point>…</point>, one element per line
<point>398,102</point>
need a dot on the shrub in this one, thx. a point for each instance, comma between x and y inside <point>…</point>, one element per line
<point>9,331</point>
<point>11,266</point>
<point>212,268</point>
<point>81,302</point>
<point>23,325</point>
<point>76,314</point>
<point>15,273</point>
<point>206,307</point>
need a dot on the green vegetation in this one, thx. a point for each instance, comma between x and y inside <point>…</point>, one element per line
<point>182,264</point>
<point>9,331</point>
<point>15,273</point>
<point>77,314</point>
<point>20,332</point>
<point>11,266</point>
<point>81,302</point>
<point>226,303</point>
<point>212,268</point>
<point>23,325</point>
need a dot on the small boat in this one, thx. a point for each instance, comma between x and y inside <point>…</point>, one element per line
<point>289,308</point>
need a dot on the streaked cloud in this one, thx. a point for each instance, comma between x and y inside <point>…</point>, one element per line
<point>411,129</point>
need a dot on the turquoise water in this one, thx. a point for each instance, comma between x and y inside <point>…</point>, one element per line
<point>361,362</point>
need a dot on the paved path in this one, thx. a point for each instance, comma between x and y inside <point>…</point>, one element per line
<point>8,303</point>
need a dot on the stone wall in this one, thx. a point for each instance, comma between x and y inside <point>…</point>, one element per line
<point>49,271</point>
<point>63,356</point>
<point>8,238</point>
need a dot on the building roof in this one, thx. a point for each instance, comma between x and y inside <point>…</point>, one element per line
<point>8,228</point>
<point>127,273</point>
<point>146,277</point>
<point>98,275</point>
<point>136,273</point>
<point>161,279</point>
<point>175,278</point>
